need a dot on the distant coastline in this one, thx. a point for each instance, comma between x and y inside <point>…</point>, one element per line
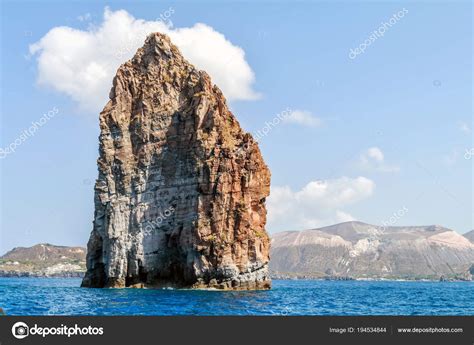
<point>17,274</point>
<point>280,276</point>
<point>351,251</point>
<point>274,276</point>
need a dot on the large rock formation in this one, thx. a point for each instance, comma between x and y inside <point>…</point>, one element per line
<point>358,250</point>
<point>180,197</point>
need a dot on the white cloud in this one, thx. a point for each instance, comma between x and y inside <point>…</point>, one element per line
<point>82,63</point>
<point>376,154</point>
<point>373,159</point>
<point>302,117</point>
<point>317,204</point>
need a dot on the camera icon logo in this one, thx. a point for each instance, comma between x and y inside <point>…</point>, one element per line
<point>20,330</point>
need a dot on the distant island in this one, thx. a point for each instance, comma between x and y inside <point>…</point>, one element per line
<point>470,235</point>
<point>44,260</point>
<point>346,251</point>
<point>355,250</point>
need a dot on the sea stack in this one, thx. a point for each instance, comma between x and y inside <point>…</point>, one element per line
<point>180,196</point>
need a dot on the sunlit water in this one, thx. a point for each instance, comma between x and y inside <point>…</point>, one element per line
<point>63,296</point>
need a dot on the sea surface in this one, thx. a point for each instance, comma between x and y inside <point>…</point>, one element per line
<point>63,296</point>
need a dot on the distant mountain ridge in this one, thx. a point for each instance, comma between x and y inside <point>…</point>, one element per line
<point>470,235</point>
<point>43,260</point>
<point>351,250</point>
<point>359,250</point>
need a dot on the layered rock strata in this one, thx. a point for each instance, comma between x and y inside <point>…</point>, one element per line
<point>180,196</point>
<point>363,251</point>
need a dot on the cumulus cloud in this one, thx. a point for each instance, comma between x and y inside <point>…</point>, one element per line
<point>82,63</point>
<point>376,154</point>
<point>373,159</point>
<point>317,204</point>
<point>303,117</point>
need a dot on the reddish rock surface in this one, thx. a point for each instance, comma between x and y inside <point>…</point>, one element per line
<point>180,197</point>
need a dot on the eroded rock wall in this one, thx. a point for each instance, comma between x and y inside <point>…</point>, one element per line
<point>180,197</point>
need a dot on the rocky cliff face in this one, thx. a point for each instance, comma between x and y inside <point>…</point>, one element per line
<point>358,250</point>
<point>180,197</point>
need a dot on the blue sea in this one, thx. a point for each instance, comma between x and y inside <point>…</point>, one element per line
<point>63,296</point>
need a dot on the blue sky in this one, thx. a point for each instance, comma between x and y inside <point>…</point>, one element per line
<point>366,137</point>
